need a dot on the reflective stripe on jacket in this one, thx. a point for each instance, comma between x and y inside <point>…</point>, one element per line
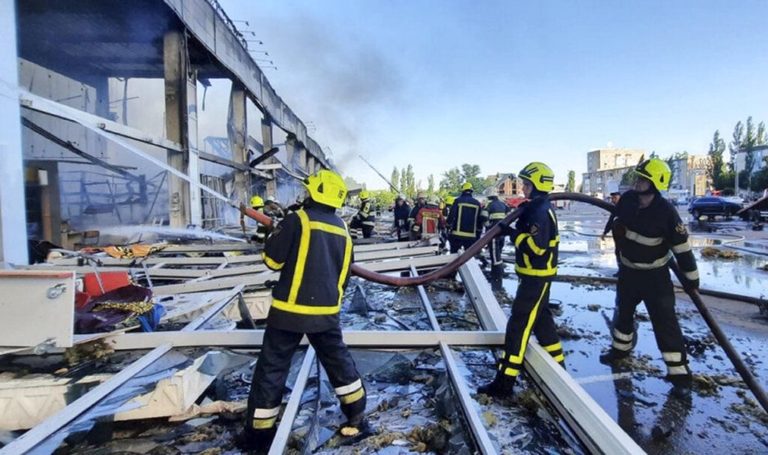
<point>313,251</point>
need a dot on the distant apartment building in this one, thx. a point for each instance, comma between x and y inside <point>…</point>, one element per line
<point>689,176</point>
<point>508,185</point>
<point>605,168</point>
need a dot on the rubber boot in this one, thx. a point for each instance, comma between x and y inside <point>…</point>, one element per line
<point>256,441</point>
<point>681,385</point>
<point>612,356</point>
<point>501,387</point>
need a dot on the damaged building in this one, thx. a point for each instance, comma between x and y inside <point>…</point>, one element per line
<point>139,328</point>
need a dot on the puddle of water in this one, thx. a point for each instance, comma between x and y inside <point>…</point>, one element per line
<point>714,420</point>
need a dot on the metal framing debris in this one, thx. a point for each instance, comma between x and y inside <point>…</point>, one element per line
<point>292,407</point>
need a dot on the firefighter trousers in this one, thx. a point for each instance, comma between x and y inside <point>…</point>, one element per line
<point>272,367</point>
<point>494,250</point>
<point>456,243</point>
<point>654,287</point>
<point>530,315</point>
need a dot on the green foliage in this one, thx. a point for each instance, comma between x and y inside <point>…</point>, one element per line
<point>571,185</point>
<point>410,182</point>
<point>431,185</point>
<point>395,178</point>
<point>454,178</point>
<point>760,179</point>
<point>735,144</point>
<point>716,165</point>
<point>451,181</point>
<point>382,199</point>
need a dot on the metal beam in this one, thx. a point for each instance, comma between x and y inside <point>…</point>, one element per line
<point>292,407</point>
<point>594,427</point>
<point>239,139</point>
<point>353,338</point>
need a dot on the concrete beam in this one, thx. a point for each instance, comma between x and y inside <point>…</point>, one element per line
<point>239,140</point>
<point>181,127</point>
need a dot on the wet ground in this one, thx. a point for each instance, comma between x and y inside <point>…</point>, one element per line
<point>412,407</point>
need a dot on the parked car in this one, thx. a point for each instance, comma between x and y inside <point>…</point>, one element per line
<point>711,207</point>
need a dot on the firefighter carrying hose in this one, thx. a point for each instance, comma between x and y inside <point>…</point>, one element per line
<point>536,241</point>
<point>257,203</point>
<point>494,212</point>
<point>365,217</point>
<point>648,232</point>
<point>313,251</point>
<point>464,220</point>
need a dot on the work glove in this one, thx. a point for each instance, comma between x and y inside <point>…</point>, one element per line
<point>690,285</point>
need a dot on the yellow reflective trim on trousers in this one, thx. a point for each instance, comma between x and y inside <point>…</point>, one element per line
<point>463,234</point>
<point>681,248</point>
<point>553,347</point>
<point>497,215</point>
<point>511,372</point>
<point>530,271</point>
<point>263,424</point>
<point>528,327</point>
<point>301,259</point>
<point>560,358</point>
<point>271,263</point>
<point>352,397</point>
<point>313,310</point>
<point>553,243</point>
<point>535,248</point>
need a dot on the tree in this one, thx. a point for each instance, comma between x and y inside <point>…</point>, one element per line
<point>410,180</point>
<point>735,145</point>
<point>760,138</point>
<point>760,179</point>
<point>471,173</point>
<point>403,182</point>
<point>715,166</point>
<point>748,146</point>
<point>431,185</point>
<point>571,182</point>
<point>395,178</point>
<point>451,181</point>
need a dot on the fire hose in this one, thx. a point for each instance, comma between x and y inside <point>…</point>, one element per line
<point>476,247</point>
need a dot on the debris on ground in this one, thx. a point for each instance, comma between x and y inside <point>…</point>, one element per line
<point>94,350</point>
<point>719,253</point>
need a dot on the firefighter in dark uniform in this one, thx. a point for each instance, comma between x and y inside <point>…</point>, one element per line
<point>257,203</point>
<point>464,220</point>
<point>313,251</point>
<point>401,211</point>
<point>494,212</point>
<point>536,241</point>
<point>365,218</point>
<point>648,232</point>
<point>421,201</point>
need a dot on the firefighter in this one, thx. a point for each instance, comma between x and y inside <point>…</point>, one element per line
<point>429,220</point>
<point>365,217</point>
<point>257,204</point>
<point>494,212</point>
<point>273,209</point>
<point>464,221</point>
<point>421,201</point>
<point>615,198</point>
<point>402,211</point>
<point>536,246</point>
<point>648,232</point>
<point>313,251</point>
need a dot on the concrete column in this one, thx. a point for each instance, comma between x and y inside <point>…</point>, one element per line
<point>237,98</point>
<point>267,142</point>
<point>181,127</point>
<point>291,151</point>
<point>13,217</point>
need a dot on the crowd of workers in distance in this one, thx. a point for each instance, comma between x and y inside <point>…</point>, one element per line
<point>312,249</point>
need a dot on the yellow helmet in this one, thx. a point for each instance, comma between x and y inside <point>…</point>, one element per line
<point>466,187</point>
<point>450,199</point>
<point>657,171</point>
<point>364,195</point>
<point>257,202</point>
<point>326,187</point>
<point>540,175</point>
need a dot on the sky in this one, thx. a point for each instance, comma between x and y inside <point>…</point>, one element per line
<point>500,83</point>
